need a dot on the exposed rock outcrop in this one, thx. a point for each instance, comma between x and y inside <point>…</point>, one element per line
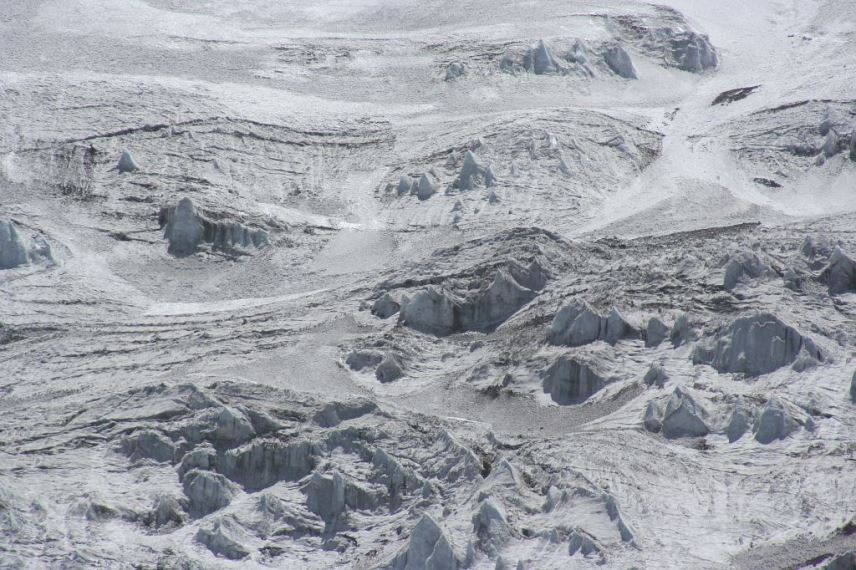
<point>619,62</point>
<point>732,95</point>
<point>569,381</point>
<point>186,229</point>
<point>754,345</point>
<point>578,324</point>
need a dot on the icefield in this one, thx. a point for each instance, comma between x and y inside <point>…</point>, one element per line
<point>428,284</point>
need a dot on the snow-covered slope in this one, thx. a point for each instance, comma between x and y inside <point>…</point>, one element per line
<point>427,284</point>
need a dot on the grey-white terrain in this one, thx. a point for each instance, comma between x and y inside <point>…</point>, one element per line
<point>425,284</point>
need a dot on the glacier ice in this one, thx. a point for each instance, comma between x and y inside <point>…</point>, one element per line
<point>656,332</point>
<point>839,273</point>
<point>683,415</point>
<point>754,345</point>
<point>12,251</point>
<point>577,324</point>
<point>619,62</point>
<point>186,229</point>
<point>127,163</point>
<point>427,549</point>
<point>569,381</point>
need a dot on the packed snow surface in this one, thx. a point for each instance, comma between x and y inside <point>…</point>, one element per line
<point>408,285</point>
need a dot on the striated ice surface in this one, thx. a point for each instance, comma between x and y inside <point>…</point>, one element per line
<point>753,345</point>
<point>564,284</point>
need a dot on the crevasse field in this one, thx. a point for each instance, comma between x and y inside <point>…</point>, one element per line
<point>427,284</point>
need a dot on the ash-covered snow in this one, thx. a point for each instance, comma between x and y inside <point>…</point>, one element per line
<point>407,285</point>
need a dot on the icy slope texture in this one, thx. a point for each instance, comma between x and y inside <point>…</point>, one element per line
<point>518,168</point>
<point>415,285</point>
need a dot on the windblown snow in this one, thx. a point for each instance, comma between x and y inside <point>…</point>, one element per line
<point>408,285</point>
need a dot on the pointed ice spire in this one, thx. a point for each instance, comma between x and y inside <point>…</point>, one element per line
<point>853,145</point>
<point>184,229</point>
<point>563,165</point>
<point>127,162</point>
<point>474,173</point>
<point>619,61</point>
<point>578,52</point>
<point>541,61</point>
<point>489,177</point>
<point>830,144</point>
<point>405,183</point>
<point>426,187</point>
<point>12,252</point>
